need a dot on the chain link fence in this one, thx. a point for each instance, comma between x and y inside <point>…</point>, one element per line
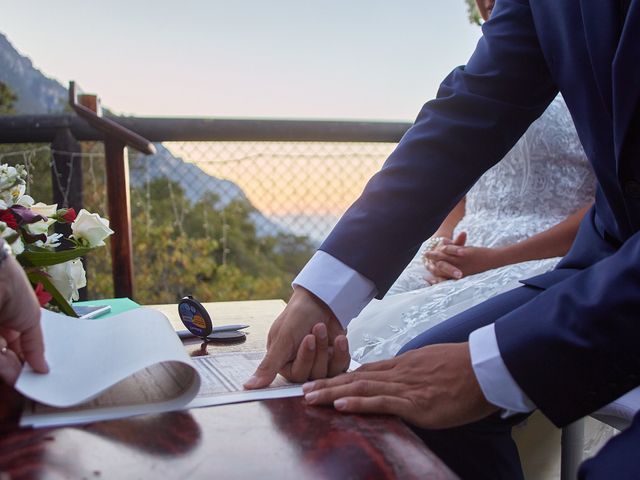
<point>296,187</point>
<point>221,220</point>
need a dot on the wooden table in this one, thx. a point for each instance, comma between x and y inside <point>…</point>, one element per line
<point>279,439</point>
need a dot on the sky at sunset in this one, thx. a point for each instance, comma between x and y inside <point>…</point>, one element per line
<point>353,59</point>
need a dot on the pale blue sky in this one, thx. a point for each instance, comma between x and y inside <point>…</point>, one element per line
<point>350,59</point>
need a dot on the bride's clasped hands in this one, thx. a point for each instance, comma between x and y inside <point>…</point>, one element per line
<point>453,260</point>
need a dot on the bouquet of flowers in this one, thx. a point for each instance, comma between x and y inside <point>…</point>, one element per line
<point>51,260</point>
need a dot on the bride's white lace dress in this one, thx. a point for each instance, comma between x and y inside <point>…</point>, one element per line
<point>542,180</point>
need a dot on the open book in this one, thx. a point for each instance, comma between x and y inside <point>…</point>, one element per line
<point>130,364</point>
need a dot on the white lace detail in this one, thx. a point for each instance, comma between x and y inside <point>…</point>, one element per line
<point>542,180</point>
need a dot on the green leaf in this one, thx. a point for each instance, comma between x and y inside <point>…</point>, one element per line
<point>40,258</point>
<point>36,277</point>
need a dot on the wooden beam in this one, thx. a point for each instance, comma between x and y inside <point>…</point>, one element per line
<point>42,128</point>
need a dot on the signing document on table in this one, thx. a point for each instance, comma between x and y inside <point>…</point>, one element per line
<point>130,364</point>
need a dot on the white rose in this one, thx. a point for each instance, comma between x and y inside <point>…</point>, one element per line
<point>40,227</point>
<point>8,177</point>
<point>19,197</point>
<point>12,185</point>
<point>25,201</point>
<point>91,228</point>
<point>44,209</point>
<point>68,277</point>
<point>5,200</point>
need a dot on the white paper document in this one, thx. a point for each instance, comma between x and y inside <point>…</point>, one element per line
<point>131,364</point>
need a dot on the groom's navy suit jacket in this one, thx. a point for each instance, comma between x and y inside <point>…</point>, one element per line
<point>576,346</point>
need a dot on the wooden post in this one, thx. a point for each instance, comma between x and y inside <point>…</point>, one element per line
<point>117,138</point>
<point>66,179</point>
<point>66,170</point>
<point>117,166</point>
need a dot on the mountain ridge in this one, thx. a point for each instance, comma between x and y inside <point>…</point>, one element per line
<point>39,94</point>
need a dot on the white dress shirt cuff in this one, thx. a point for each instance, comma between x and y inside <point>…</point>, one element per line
<point>345,291</point>
<point>495,381</point>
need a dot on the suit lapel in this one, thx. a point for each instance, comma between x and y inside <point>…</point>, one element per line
<point>626,75</point>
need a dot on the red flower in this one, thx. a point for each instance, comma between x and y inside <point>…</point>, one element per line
<point>44,297</point>
<point>70,215</point>
<point>66,215</point>
<point>9,218</point>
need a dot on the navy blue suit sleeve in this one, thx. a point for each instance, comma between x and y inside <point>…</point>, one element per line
<point>574,348</point>
<point>480,112</point>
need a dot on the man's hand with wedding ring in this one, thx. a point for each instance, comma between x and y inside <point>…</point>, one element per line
<point>305,342</point>
<point>430,387</point>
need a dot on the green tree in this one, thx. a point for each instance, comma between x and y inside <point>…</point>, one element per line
<point>472,11</point>
<point>205,249</point>
<point>7,100</point>
<point>33,156</point>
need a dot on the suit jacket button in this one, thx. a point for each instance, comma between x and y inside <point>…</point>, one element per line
<point>632,188</point>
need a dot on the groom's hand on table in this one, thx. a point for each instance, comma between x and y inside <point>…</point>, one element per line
<point>431,387</point>
<point>305,342</point>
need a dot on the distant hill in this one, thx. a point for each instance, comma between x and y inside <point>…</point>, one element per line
<point>193,179</point>
<point>39,94</point>
<point>36,92</point>
<point>195,183</point>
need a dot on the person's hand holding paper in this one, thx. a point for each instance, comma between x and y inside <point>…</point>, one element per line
<point>20,332</point>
